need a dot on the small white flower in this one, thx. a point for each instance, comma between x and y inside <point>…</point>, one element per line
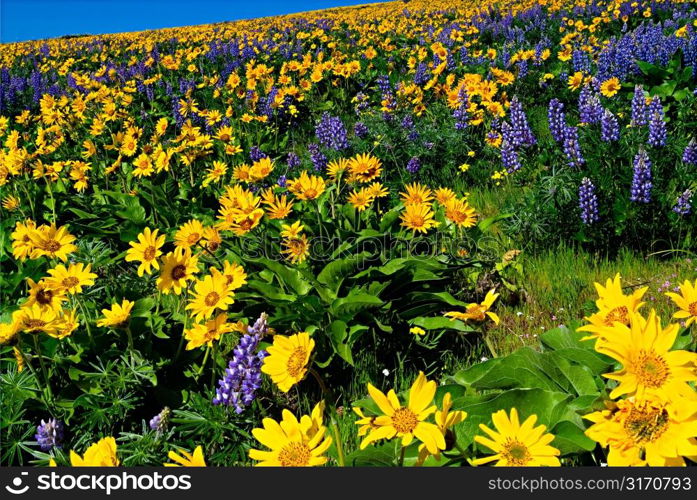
<point>386,372</point>
<point>484,358</point>
<point>519,313</point>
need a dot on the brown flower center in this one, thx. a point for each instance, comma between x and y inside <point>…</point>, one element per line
<point>178,272</point>
<point>296,362</point>
<point>646,424</point>
<point>294,455</point>
<point>44,297</point>
<point>34,323</point>
<point>515,453</point>
<point>652,369</point>
<point>404,420</point>
<point>212,299</point>
<point>311,193</point>
<point>70,282</point>
<point>52,246</point>
<point>213,246</point>
<point>417,221</point>
<point>193,238</point>
<point>692,309</point>
<point>618,314</point>
<point>149,253</point>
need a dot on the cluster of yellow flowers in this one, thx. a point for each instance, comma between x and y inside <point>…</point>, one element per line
<point>419,216</point>
<point>44,310</point>
<point>654,421</point>
<point>104,453</point>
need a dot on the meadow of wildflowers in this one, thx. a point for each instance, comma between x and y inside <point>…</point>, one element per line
<point>287,241</point>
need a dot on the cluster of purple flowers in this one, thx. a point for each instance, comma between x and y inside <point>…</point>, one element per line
<point>689,155</point>
<point>589,107</point>
<point>642,179</point>
<point>588,202</point>
<point>331,133</point>
<point>319,161</point>
<point>572,148</point>
<point>683,205</point>
<point>609,127</point>
<point>160,421</point>
<point>657,124</point>
<point>243,375</point>
<point>293,160</point>
<point>460,113</point>
<point>520,133</point>
<point>638,107</point>
<point>409,125</point>
<point>557,119</point>
<point>413,165</point>
<point>256,154</point>
<point>360,129</point>
<point>509,157</point>
<point>49,434</point>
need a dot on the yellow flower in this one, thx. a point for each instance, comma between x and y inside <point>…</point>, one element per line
<point>365,423</point>
<point>287,359</point>
<point>215,173</point>
<point>337,167</point>
<point>210,293</point>
<point>291,230</point>
<point>415,330</point>
<point>19,359</point>
<point>234,274</point>
<point>189,234</point>
<point>517,445</point>
<point>646,432</point>
<point>377,190</point>
<point>186,459</point>
<point>37,319</point>
<point>416,194</point>
<point>261,169</point>
<point>364,168</point>
<point>407,422</point>
<point>100,454</point>
<point>146,250</point>
<point>460,213</point>
<point>52,242</point>
<point>650,369</point>
<point>72,278</point>
<point>11,203</point>
<point>418,218</point>
<point>296,249</point>
<point>178,267</point>
<point>307,187</point>
<point>118,315</point>
<point>277,207</point>
<point>575,81</point>
<point>445,419</point>
<point>45,294</point>
<point>22,244</point>
<point>686,301</point>
<point>477,312</point>
<point>205,333</point>
<point>610,87</point>
<point>291,443</point>
<point>444,195</point>
<point>9,331</point>
<point>613,307</point>
<point>361,199</point>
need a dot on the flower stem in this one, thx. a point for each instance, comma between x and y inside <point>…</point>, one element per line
<point>332,418</point>
<point>44,371</point>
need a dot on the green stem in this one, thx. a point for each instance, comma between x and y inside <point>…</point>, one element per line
<point>53,200</point>
<point>130,338</point>
<point>490,345</point>
<point>81,306</point>
<point>401,456</point>
<point>203,363</point>
<point>44,371</point>
<point>335,427</point>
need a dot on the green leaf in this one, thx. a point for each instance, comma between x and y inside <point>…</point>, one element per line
<point>440,323</point>
<point>354,302</point>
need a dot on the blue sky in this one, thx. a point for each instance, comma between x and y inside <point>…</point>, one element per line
<point>35,19</point>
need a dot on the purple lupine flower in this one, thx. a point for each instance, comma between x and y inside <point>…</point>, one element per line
<point>460,113</point>
<point>282,181</point>
<point>689,156</point>
<point>657,124</point>
<point>413,165</point>
<point>243,375</point>
<point>609,127</point>
<point>421,74</point>
<point>588,202</point>
<point>589,107</point>
<point>683,205</point>
<point>572,148</point>
<point>557,119</point>
<point>293,160</point>
<point>160,421</point>
<point>319,161</point>
<point>49,434</point>
<point>360,129</point>
<point>509,157</point>
<point>331,133</point>
<point>641,180</point>
<point>256,154</point>
<point>638,107</point>
<point>520,131</point>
